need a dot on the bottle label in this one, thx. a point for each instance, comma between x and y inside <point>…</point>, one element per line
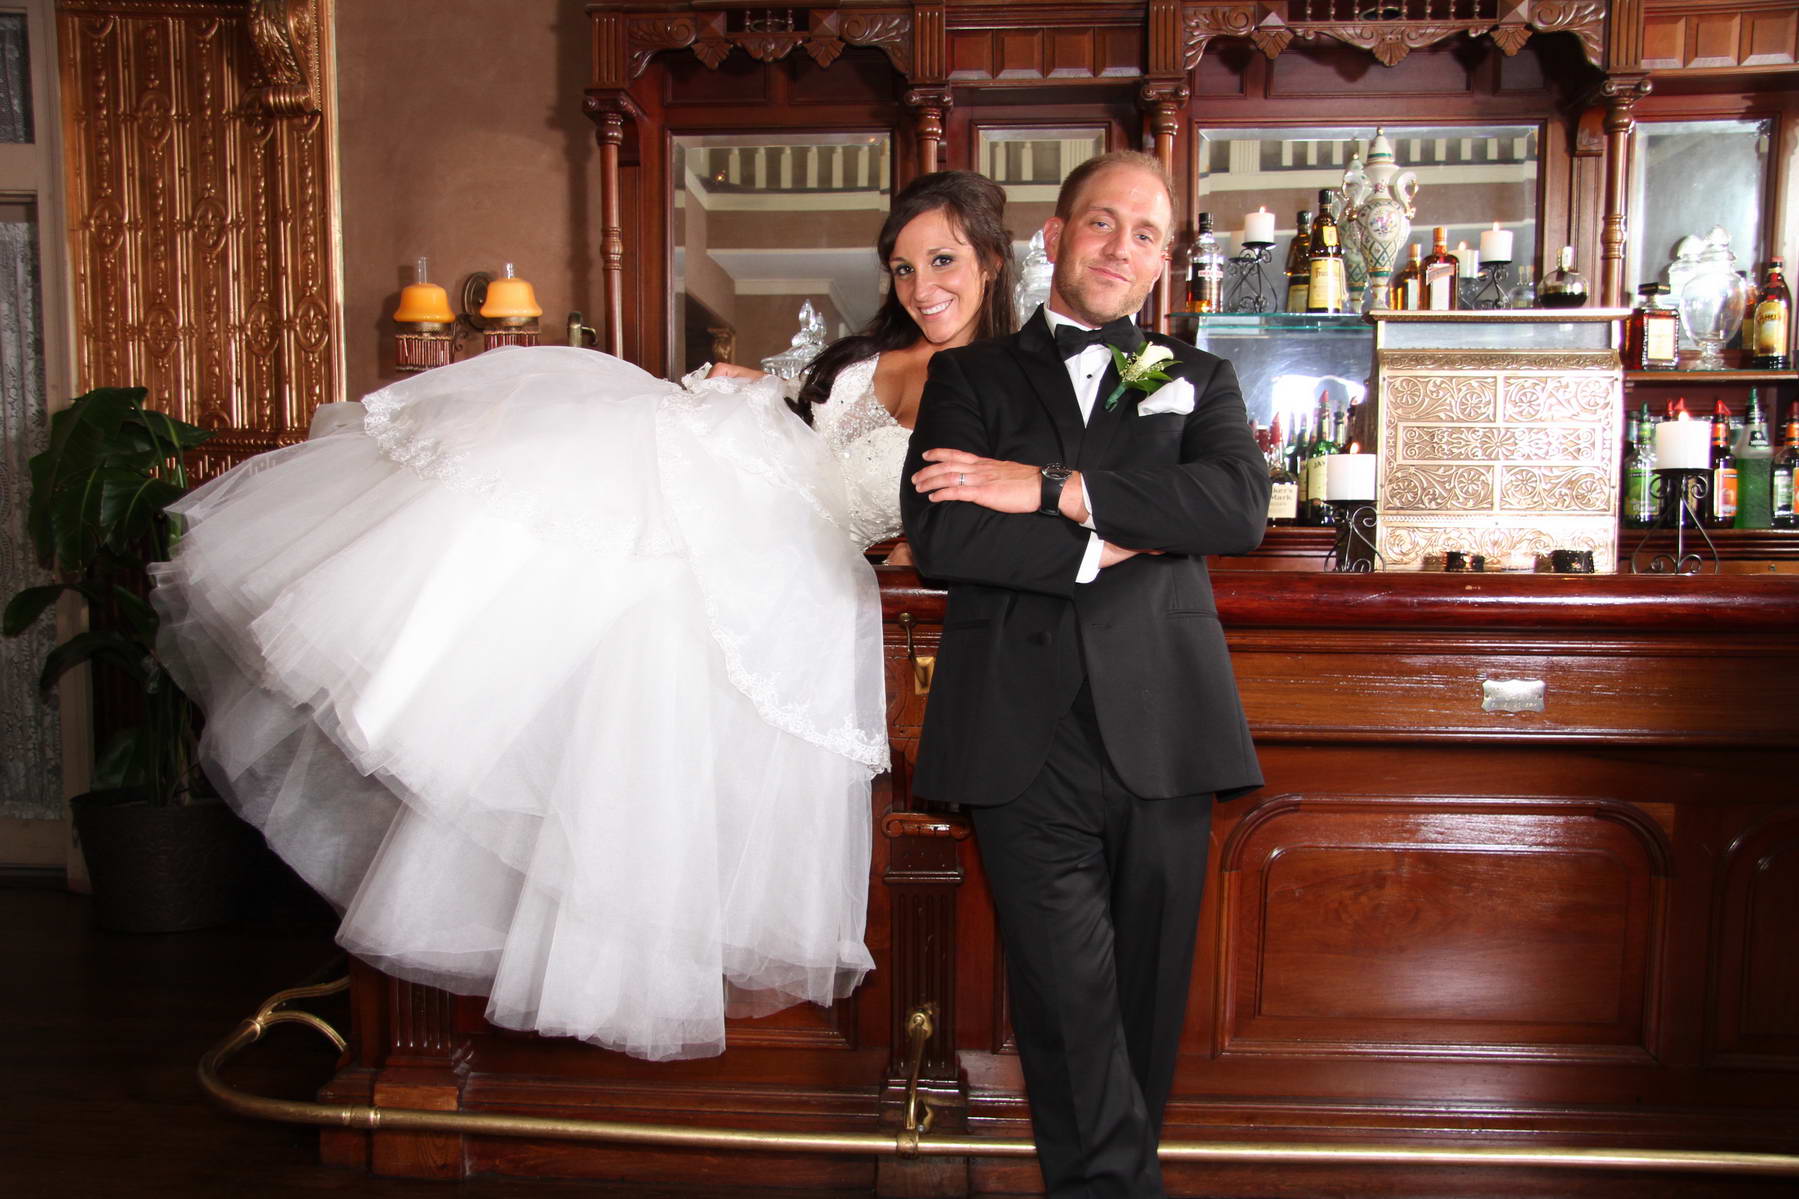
<point>1783,491</point>
<point>1297,291</point>
<point>1639,497</point>
<point>1283,502</point>
<point>1325,286</point>
<point>1205,286</point>
<point>1771,328</point>
<point>1439,286</point>
<point>1724,492</point>
<point>1661,345</point>
<point>1328,235</point>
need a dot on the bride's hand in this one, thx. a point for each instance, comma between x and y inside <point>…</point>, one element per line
<point>730,370</point>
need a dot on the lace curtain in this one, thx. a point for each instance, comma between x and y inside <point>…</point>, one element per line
<point>15,83</point>
<point>30,747</point>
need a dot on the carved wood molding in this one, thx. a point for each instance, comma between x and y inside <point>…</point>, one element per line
<point>1271,28</point>
<point>828,32</point>
<point>285,39</point>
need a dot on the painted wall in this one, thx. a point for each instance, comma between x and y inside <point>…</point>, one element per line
<point>463,139</point>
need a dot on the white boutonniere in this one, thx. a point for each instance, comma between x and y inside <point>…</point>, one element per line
<point>1142,371</point>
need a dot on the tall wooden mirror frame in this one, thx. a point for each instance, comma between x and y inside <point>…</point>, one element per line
<point>1134,61</point>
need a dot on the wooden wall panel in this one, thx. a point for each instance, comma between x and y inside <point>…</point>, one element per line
<point>201,222</point>
<point>1448,925</point>
<point>1690,36</point>
<point>1755,1010</point>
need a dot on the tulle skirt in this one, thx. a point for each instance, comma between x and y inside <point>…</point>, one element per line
<point>563,682</point>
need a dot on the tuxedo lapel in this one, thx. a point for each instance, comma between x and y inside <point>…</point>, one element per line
<point>1102,426</point>
<point>1035,351</point>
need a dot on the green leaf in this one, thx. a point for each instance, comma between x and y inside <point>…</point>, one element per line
<point>135,612</point>
<point>120,651</point>
<point>125,762</point>
<point>23,609</point>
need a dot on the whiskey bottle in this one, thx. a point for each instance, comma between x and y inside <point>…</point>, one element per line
<point>1772,316</point>
<point>1652,333</point>
<point>1326,285</point>
<point>1564,287</point>
<point>1299,257</point>
<point>1720,508</point>
<point>1786,467</point>
<point>1283,494</point>
<point>1639,474</point>
<point>1442,274</point>
<point>1205,270</point>
<point>1319,511</point>
<point>1408,284</point>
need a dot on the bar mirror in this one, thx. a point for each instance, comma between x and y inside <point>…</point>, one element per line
<point>1688,176</point>
<point>761,224</point>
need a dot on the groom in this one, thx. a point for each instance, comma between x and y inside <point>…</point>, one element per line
<point>1083,706</point>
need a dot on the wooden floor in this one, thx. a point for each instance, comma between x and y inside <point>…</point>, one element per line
<point>99,1037</point>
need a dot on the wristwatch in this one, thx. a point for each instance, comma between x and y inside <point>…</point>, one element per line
<point>1054,475</point>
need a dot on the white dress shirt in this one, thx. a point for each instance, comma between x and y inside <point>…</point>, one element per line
<point>1085,370</point>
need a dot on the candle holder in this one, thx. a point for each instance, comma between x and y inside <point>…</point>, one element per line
<point>1491,288</point>
<point>1247,287</point>
<point>1676,490</point>
<point>1353,552</point>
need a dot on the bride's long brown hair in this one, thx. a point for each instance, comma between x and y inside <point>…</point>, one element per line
<point>976,206</point>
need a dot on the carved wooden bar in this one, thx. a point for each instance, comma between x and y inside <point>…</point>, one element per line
<point>1445,920</point>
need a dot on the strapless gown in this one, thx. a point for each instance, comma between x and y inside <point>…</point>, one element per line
<point>563,682</point>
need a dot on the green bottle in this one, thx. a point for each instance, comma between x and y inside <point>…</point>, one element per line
<point>1639,473</point>
<point>1755,470</point>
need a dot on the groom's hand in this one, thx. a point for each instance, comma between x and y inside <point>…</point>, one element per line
<point>1001,486</point>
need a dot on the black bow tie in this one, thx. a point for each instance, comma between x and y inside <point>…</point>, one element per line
<point>1122,333</point>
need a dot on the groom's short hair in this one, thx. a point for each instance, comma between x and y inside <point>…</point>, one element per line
<point>1077,178</point>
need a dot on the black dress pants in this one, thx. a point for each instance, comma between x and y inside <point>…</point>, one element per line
<point>1097,892</point>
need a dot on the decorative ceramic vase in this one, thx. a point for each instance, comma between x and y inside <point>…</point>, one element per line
<point>1350,194</point>
<point>1383,219</point>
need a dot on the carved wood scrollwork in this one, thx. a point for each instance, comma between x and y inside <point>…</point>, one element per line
<point>285,37</point>
<point>889,31</point>
<point>1269,28</point>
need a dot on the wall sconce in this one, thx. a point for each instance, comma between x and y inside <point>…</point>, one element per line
<point>504,310</point>
<point>426,324</point>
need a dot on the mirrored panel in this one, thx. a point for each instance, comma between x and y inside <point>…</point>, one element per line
<point>763,224</point>
<point>1469,177</point>
<point>1689,176</point>
<point>1030,162</point>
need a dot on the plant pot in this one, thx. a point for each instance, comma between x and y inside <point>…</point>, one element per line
<point>159,869</point>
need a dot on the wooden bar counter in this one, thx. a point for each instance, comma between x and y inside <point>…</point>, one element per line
<point>1524,873</point>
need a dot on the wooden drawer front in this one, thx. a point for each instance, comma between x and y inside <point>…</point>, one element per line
<point>1367,687</point>
<point>1396,927</point>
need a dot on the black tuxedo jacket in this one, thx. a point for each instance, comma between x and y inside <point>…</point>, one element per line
<point>1020,634</point>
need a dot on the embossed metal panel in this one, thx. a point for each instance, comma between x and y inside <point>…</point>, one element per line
<point>1504,453</point>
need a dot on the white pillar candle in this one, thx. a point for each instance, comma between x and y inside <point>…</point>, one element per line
<point>1496,244</point>
<point>1349,476</point>
<point>1258,226</point>
<point>1683,445</point>
<point>1467,261</point>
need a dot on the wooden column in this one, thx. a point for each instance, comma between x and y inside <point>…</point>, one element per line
<point>1620,94</point>
<point>929,105</point>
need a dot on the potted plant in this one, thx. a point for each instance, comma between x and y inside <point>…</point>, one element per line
<point>162,852</point>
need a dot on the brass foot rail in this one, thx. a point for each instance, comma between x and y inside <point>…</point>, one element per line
<point>906,1142</point>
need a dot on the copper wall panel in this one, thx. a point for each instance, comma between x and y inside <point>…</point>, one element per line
<point>201,222</point>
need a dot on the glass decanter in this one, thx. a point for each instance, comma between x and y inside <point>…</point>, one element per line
<point>1712,304</point>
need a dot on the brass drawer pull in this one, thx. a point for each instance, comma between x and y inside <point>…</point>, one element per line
<point>1511,695</point>
<point>923,668</point>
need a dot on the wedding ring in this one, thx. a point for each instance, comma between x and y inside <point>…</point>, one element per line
<point>961,480</point>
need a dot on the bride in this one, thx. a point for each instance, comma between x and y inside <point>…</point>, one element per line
<point>563,682</point>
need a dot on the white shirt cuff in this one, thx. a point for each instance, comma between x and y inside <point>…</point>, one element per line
<point>1087,503</point>
<point>1090,560</point>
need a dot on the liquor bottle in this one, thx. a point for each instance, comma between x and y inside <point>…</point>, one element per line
<point>1652,334</point>
<point>1299,263</point>
<point>1321,513</point>
<point>1772,317</point>
<point>1283,494</point>
<point>1639,473</point>
<point>1408,284</point>
<point>1720,508</point>
<point>1326,286</point>
<point>1564,287</point>
<point>1786,474</point>
<point>1442,274</point>
<point>1755,468</point>
<point>1205,270</point>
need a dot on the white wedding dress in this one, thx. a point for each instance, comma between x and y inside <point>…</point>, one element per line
<point>563,682</point>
